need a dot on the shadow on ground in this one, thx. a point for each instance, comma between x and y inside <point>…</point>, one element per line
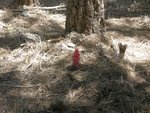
<point>11,42</point>
<point>102,86</point>
<point>127,8</point>
<point>131,32</point>
<point>27,29</point>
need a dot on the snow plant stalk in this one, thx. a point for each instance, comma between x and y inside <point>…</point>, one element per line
<point>76,58</point>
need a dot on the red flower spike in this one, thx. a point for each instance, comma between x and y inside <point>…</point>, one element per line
<point>76,58</point>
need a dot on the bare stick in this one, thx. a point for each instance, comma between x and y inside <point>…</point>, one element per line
<point>46,8</point>
<point>122,50</point>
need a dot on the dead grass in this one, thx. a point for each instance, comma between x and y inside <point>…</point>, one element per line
<point>34,77</point>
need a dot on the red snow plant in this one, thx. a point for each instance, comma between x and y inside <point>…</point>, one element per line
<point>76,58</point>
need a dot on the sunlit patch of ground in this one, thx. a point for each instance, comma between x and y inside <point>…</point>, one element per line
<point>135,33</point>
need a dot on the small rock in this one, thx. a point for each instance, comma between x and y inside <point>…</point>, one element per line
<point>71,45</point>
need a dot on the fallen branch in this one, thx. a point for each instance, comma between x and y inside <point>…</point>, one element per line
<point>46,8</point>
<point>56,8</point>
<point>21,8</point>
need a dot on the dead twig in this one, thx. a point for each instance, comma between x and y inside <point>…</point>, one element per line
<point>122,50</point>
<point>60,7</point>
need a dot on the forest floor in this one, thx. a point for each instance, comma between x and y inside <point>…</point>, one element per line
<point>35,61</point>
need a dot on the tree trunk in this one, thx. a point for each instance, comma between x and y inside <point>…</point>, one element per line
<point>83,16</point>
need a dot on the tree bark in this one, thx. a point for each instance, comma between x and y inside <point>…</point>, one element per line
<point>83,16</point>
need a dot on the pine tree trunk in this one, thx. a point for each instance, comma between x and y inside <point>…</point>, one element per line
<point>83,16</point>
